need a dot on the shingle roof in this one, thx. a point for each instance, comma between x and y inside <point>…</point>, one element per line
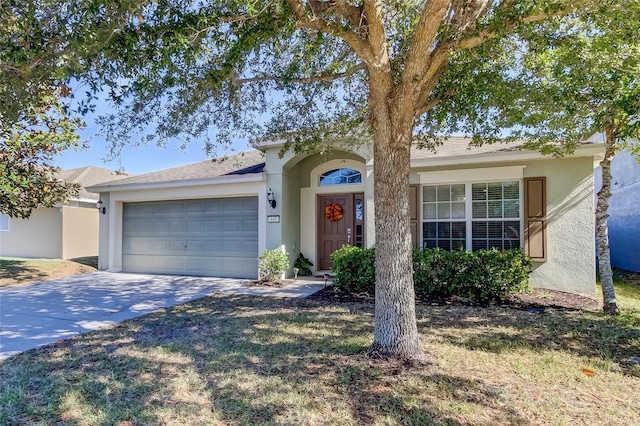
<point>88,176</point>
<point>456,146</point>
<point>238,164</point>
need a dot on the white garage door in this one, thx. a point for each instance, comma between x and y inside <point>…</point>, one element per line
<point>208,237</point>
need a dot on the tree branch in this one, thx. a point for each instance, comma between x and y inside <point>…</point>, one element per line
<point>476,39</point>
<point>422,40</point>
<point>328,77</point>
<point>314,23</point>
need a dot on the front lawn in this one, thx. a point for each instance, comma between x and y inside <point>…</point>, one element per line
<point>249,360</point>
<point>19,271</point>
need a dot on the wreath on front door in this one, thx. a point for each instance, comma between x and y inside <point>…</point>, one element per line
<point>333,212</point>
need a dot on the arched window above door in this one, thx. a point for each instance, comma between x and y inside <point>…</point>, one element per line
<point>343,176</point>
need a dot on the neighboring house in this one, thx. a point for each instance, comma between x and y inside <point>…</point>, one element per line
<point>624,211</point>
<point>65,231</point>
<point>214,218</point>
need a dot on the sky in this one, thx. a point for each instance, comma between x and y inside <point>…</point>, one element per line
<point>134,160</point>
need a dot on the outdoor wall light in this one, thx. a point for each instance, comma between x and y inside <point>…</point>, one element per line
<point>101,208</point>
<point>271,199</point>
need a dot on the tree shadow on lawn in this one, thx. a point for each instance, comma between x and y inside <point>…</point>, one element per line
<point>499,330</point>
<point>18,271</point>
<point>239,359</point>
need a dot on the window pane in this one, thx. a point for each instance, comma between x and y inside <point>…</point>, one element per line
<point>511,244</point>
<point>478,244</point>
<point>511,190</point>
<point>512,230</point>
<point>444,210</point>
<point>457,192</point>
<point>444,230</point>
<point>479,209</point>
<point>430,244</point>
<point>355,178</point>
<point>457,210</point>
<point>429,211</point>
<point>444,193</point>
<point>457,244</point>
<point>512,208</point>
<point>495,244</point>
<point>494,229</point>
<point>429,193</point>
<point>495,190</point>
<point>444,244</point>
<point>458,229</point>
<point>479,229</point>
<point>429,230</point>
<point>340,177</point>
<point>479,191</point>
<point>495,209</point>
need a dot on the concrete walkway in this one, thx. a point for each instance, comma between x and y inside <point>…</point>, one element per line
<point>44,312</point>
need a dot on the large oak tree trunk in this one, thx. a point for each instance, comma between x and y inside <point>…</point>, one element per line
<point>396,332</point>
<point>610,304</point>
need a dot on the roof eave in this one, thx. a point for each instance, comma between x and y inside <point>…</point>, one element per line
<point>590,150</point>
<point>214,180</point>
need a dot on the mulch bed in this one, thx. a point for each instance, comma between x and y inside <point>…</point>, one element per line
<point>537,299</point>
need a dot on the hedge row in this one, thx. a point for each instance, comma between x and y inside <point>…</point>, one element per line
<point>480,275</point>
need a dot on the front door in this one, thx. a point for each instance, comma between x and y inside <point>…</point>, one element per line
<point>348,229</point>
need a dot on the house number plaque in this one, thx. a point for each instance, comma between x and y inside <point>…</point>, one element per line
<point>274,218</point>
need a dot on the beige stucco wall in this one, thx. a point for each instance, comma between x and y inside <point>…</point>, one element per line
<point>570,225</point>
<point>103,235</point>
<point>40,236</point>
<point>79,231</point>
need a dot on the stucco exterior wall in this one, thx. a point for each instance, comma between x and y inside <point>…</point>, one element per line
<point>40,236</point>
<point>79,232</point>
<point>103,235</point>
<point>570,225</point>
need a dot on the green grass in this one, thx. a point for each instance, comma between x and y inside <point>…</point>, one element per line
<point>246,360</point>
<point>627,286</point>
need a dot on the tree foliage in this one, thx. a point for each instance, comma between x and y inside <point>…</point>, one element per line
<point>27,178</point>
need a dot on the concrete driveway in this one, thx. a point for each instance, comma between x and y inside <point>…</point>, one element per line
<point>42,313</point>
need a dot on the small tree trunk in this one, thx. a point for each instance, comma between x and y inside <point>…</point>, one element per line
<point>396,332</point>
<point>610,304</point>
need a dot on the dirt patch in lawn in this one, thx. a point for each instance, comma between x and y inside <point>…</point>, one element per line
<point>17,272</point>
<point>537,299</point>
<point>267,283</point>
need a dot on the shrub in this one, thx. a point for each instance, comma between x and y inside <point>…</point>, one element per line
<point>272,264</point>
<point>304,265</point>
<point>354,268</point>
<point>481,275</point>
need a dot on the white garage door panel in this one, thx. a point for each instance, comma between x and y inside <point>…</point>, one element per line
<point>195,237</point>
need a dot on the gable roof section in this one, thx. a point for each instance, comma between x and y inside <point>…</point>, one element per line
<point>87,176</point>
<point>244,163</point>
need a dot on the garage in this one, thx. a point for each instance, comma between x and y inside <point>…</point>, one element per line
<point>205,237</point>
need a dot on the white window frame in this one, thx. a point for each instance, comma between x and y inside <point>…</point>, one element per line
<point>8,223</point>
<point>469,177</point>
